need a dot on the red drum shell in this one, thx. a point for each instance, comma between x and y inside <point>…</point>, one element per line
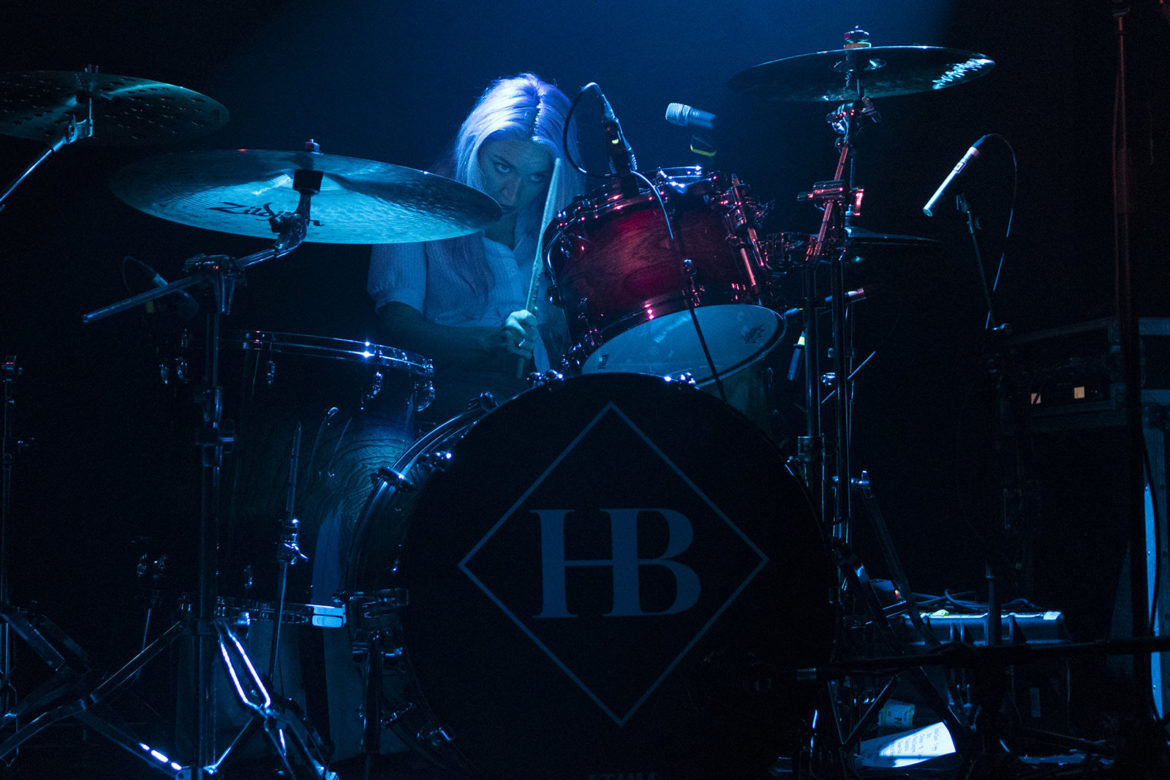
<point>627,294</point>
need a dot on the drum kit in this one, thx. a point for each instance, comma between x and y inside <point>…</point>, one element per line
<point>639,590</point>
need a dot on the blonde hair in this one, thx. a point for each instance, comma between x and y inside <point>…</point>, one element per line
<point>522,106</point>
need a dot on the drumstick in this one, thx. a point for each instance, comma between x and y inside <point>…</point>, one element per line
<point>550,208</point>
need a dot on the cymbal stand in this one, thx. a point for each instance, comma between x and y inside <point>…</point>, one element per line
<point>221,274</point>
<point>9,447</point>
<point>840,202</point>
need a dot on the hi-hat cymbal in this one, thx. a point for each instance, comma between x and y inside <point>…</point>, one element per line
<point>39,105</point>
<point>360,201</point>
<point>847,74</point>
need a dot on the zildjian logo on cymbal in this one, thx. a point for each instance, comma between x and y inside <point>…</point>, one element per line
<point>263,212</point>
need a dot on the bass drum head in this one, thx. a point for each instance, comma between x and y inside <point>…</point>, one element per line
<point>612,575</point>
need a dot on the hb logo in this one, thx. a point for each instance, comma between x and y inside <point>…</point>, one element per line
<point>624,563</point>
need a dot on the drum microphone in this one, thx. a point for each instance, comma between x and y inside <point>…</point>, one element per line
<point>187,307</point>
<point>621,157</point>
<point>971,154</point>
<point>688,116</point>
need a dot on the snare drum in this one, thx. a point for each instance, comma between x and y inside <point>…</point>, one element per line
<point>607,576</point>
<point>354,405</point>
<point>628,290</point>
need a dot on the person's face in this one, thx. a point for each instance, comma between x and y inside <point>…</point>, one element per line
<point>515,171</point>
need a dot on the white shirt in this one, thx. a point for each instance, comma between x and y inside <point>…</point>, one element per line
<point>403,273</point>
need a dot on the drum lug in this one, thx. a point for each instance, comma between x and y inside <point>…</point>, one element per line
<point>436,737</point>
<point>398,714</point>
<point>396,480</point>
<point>483,402</point>
<point>578,353</point>
<point>437,461</point>
<point>546,378</point>
<point>376,382</point>
<point>695,290</point>
<point>424,394</point>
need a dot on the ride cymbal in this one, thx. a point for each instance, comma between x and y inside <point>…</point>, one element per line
<point>848,74</point>
<point>41,105</point>
<point>359,202</point>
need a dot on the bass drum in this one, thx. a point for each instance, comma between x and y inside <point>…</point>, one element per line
<point>608,576</point>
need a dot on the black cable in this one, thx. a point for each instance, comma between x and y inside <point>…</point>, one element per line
<point>1011,212</point>
<point>592,85</point>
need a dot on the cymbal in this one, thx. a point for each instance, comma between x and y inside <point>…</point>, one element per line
<point>38,105</point>
<point>875,71</point>
<point>360,201</point>
<point>861,237</point>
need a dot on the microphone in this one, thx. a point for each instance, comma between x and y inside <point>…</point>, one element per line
<point>621,156</point>
<point>688,116</point>
<point>971,154</point>
<point>187,306</point>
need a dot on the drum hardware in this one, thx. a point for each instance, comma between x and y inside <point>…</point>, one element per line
<point>343,184</point>
<point>293,739</point>
<point>855,698</point>
<point>856,74</point>
<point>10,447</point>
<point>395,479</point>
<point>288,551</point>
<point>221,273</point>
<point>245,612</point>
<point>404,205</point>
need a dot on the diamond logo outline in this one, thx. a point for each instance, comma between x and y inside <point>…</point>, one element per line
<point>611,407</point>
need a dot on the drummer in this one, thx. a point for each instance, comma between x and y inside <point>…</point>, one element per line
<point>461,301</point>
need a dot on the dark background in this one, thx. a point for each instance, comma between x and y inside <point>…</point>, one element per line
<point>111,471</point>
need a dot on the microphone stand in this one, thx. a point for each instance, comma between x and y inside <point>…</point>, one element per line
<point>1128,330</point>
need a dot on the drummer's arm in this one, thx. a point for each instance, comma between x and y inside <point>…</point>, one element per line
<point>408,329</point>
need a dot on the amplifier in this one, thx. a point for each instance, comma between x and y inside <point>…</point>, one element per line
<point>1073,378</point>
<point>1070,377</point>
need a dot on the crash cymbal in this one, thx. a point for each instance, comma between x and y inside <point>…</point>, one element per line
<point>39,105</point>
<point>874,71</point>
<point>360,201</point>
